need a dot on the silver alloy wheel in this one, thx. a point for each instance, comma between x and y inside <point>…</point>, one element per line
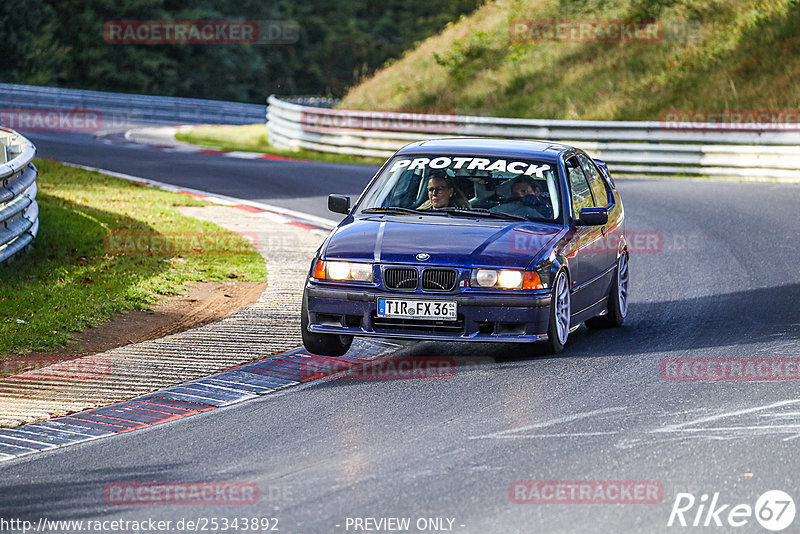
<point>622,285</point>
<point>562,307</point>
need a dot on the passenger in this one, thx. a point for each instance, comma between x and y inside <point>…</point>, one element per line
<point>527,191</point>
<point>443,193</point>
<point>524,186</point>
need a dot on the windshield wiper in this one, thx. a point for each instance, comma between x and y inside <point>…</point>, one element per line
<point>483,212</point>
<point>401,210</point>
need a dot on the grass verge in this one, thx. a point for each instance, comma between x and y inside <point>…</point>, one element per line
<point>253,138</point>
<point>711,55</point>
<point>77,274</point>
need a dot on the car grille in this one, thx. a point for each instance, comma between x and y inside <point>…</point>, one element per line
<point>438,279</point>
<point>400,278</point>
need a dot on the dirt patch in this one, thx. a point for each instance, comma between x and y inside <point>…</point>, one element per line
<point>207,302</point>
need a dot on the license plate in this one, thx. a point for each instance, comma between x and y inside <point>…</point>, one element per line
<point>442,310</point>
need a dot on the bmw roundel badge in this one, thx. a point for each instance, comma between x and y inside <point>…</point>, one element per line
<point>423,256</point>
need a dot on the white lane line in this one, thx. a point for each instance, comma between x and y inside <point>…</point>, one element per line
<point>680,427</point>
<point>186,149</point>
<point>505,434</point>
<point>542,436</point>
<point>781,414</point>
<point>778,428</point>
<point>243,155</point>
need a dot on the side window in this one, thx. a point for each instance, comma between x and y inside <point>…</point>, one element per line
<point>596,182</point>
<point>580,193</point>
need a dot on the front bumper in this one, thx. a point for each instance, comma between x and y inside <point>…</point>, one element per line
<point>502,318</point>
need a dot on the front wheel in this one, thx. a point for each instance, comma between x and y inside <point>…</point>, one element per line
<point>321,344</point>
<point>617,298</point>
<point>560,312</point>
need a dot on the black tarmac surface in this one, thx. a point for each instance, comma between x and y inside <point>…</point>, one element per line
<point>720,279</point>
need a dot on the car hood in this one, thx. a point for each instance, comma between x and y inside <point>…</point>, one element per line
<point>448,240</point>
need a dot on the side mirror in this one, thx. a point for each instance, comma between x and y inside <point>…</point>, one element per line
<point>339,204</point>
<point>593,217</point>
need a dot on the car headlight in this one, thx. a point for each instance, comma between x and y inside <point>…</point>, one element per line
<point>485,277</point>
<point>509,279</point>
<point>343,270</point>
<point>505,279</point>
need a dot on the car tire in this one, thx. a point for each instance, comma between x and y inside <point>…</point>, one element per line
<point>617,298</point>
<point>321,344</point>
<point>560,314</point>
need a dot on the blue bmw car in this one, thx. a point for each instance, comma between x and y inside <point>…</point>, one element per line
<point>472,240</point>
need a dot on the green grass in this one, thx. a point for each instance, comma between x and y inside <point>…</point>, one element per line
<point>714,55</point>
<point>253,138</point>
<point>69,281</point>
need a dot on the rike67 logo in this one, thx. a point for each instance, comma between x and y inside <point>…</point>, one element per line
<point>774,510</point>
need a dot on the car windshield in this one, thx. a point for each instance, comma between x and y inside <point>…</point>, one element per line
<point>466,186</point>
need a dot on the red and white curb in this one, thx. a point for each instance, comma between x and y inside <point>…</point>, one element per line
<point>238,384</point>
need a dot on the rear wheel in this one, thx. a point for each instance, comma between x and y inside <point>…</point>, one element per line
<point>321,344</point>
<point>617,298</point>
<point>560,312</point>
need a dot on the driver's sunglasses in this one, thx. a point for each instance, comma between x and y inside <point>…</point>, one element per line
<point>438,188</point>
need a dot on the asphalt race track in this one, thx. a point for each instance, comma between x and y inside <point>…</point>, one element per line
<point>717,277</point>
<point>298,185</point>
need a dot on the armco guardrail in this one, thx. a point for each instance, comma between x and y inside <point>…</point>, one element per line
<point>115,110</point>
<point>19,213</point>
<point>750,150</point>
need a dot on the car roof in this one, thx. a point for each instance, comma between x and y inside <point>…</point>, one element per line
<point>539,150</point>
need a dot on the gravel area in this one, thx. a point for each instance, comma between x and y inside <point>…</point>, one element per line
<point>270,326</point>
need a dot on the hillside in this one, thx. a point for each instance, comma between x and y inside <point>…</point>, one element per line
<point>711,55</point>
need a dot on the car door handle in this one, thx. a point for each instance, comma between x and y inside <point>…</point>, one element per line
<point>603,230</point>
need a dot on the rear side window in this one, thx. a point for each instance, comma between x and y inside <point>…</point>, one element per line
<point>580,193</point>
<point>596,183</point>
